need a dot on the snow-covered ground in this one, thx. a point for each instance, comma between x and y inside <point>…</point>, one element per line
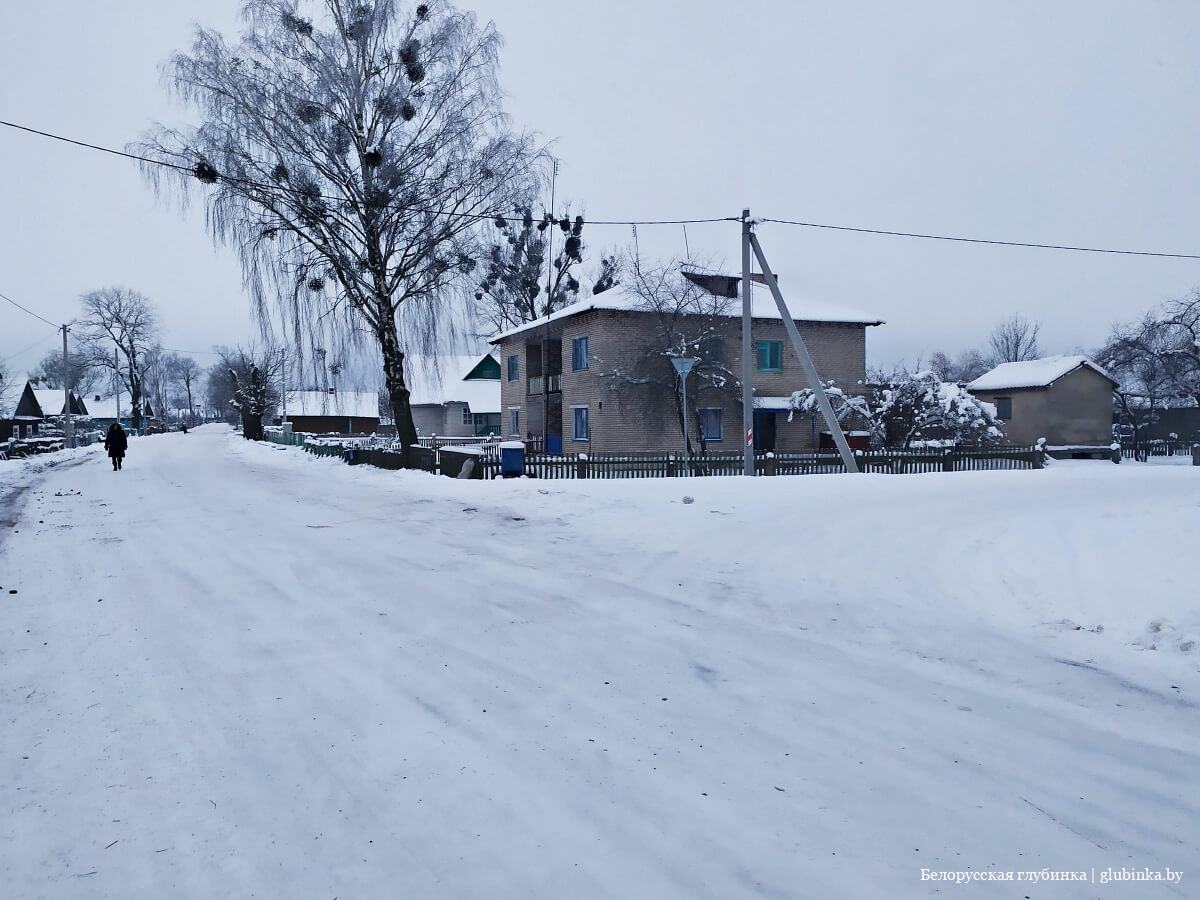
<point>233,670</point>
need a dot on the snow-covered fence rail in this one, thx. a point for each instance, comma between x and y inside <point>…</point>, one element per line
<point>1144,449</point>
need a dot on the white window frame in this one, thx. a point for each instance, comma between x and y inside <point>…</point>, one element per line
<point>468,419</point>
<point>720,417</point>
<point>514,358</point>
<point>587,421</point>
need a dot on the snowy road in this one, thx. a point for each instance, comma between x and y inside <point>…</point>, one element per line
<point>232,670</point>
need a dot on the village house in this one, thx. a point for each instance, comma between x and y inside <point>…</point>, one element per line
<point>1065,400</point>
<point>578,380</point>
<point>455,396</point>
<point>332,411</point>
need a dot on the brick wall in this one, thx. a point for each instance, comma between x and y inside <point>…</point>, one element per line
<point>625,416</point>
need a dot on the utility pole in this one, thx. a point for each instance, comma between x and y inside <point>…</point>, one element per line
<point>747,352</point>
<point>69,427</point>
<point>546,333</point>
<point>806,363</point>
<point>117,380</point>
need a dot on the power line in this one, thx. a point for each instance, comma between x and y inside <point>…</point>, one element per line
<point>42,340</point>
<point>967,240</point>
<point>29,311</point>
<point>479,217</point>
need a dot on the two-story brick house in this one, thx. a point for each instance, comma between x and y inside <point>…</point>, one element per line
<point>567,378</point>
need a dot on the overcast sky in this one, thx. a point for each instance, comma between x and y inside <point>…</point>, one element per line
<point>1060,122</point>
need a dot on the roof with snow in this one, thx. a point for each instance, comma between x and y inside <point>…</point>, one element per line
<point>762,305</point>
<point>106,407</point>
<point>52,403</point>
<point>1033,373</point>
<point>346,404</point>
<point>473,380</point>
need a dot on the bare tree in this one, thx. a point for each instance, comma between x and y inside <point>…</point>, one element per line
<point>7,389</point>
<point>350,158</point>
<point>218,392</point>
<point>184,372</point>
<point>689,321</point>
<point>1015,340</point>
<point>118,319</point>
<point>1179,333</point>
<point>254,383</point>
<point>81,376</point>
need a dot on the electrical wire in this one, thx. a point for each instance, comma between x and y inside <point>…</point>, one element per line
<point>967,240</point>
<point>247,182</point>
<point>621,222</point>
<point>41,340</point>
<point>29,311</point>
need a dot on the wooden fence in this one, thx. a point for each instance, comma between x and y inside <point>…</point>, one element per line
<point>676,465</point>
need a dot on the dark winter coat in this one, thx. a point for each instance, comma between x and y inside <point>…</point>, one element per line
<point>116,442</point>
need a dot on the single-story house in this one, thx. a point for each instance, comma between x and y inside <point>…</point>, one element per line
<point>332,411</point>
<point>103,411</point>
<point>594,376</point>
<point>27,417</point>
<point>454,396</point>
<point>1066,400</point>
<point>52,404</point>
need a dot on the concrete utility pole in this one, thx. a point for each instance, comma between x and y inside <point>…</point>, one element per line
<point>810,369</point>
<point>69,427</point>
<point>747,352</point>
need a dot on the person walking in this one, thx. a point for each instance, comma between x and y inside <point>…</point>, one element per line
<point>116,442</point>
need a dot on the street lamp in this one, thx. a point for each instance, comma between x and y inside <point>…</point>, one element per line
<point>683,365</point>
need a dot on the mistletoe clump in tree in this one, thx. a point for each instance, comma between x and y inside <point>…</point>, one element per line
<point>349,157</point>
<point>513,290</point>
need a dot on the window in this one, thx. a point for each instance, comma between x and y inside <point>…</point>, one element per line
<point>514,420</point>
<point>579,354</point>
<point>579,418</point>
<point>468,419</point>
<point>514,368</point>
<point>710,423</point>
<point>1004,408</point>
<point>770,355</point>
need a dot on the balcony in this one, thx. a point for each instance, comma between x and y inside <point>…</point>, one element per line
<point>537,383</point>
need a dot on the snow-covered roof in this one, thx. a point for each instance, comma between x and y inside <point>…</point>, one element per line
<point>106,407</point>
<point>775,404</point>
<point>434,381</point>
<point>1033,373</point>
<point>348,404</point>
<point>50,400</point>
<point>762,305</point>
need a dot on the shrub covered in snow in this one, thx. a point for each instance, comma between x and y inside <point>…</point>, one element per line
<point>907,410</point>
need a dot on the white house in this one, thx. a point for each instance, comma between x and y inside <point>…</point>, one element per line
<point>454,396</point>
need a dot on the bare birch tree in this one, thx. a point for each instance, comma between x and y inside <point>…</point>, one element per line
<point>350,157</point>
<point>118,329</point>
